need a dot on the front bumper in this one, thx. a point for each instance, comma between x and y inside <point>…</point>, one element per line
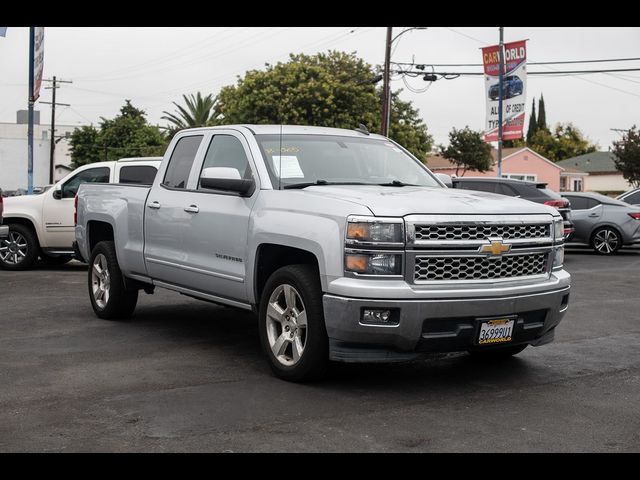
<point>437,324</point>
<point>4,231</point>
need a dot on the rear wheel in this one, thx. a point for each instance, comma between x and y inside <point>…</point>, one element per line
<point>19,251</point>
<point>55,259</point>
<point>606,241</point>
<point>291,324</point>
<point>498,353</point>
<point>109,297</point>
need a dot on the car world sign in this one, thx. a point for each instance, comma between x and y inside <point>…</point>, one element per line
<point>514,90</point>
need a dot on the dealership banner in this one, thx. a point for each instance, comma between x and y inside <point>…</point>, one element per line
<point>38,60</point>
<point>514,90</point>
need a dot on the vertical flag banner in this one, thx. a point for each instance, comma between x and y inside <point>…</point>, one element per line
<point>38,61</point>
<point>514,90</point>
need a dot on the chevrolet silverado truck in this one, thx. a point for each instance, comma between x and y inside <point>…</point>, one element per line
<point>42,225</point>
<point>344,244</point>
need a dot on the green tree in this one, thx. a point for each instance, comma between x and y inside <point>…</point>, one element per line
<point>467,150</point>
<point>627,156</point>
<point>564,142</point>
<point>198,111</point>
<point>327,89</point>
<point>126,135</point>
<point>542,115</point>
<point>533,122</point>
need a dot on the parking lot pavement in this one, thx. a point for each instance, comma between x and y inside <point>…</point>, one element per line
<point>185,375</point>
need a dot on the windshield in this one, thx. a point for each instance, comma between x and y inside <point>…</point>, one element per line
<point>329,159</point>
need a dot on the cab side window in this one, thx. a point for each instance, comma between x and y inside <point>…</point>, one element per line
<point>181,161</point>
<point>479,186</point>
<point>91,175</point>
<point>227,151</point>
<point>138,174</point>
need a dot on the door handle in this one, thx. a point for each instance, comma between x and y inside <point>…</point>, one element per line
<point>594,215</point>
<point>192,209</point>
<point>154,205</point>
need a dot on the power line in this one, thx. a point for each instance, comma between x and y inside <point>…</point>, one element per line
<point>603,60</point>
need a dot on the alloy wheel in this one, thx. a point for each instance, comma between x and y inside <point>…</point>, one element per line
<point>13,249</point>
<point>286,325</point>
<point>100,281</point>
<point>606,241</point>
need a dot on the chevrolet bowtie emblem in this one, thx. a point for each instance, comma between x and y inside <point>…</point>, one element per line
<point>495,248</point>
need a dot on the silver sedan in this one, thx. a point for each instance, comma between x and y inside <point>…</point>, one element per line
<point>604,223</point>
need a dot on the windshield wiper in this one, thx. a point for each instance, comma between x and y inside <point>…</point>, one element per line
<point>321,182</point>
<point>397,183</point>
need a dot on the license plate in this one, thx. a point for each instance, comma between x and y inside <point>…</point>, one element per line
<point>498,330</point>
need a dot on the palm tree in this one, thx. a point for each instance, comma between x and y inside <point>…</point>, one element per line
<point>199,112</point>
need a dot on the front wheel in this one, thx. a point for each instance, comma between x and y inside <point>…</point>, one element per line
<point>606,241</point>
<point>19,251</point>
<point>109,297</point>
<point>291,324</point>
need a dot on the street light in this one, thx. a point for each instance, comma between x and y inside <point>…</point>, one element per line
<point>386,89</point>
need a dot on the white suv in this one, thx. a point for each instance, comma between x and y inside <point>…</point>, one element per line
<point>42,225</point>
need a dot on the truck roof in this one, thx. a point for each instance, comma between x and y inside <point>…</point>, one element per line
<point>140,159</point>
<point>293,130</point>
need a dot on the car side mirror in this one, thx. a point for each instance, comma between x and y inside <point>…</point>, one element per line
<point>226,179</point>
<point>57,193</point>
<point>446,179</point>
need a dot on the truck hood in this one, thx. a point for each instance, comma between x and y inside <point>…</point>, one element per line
<point>17,205</point>
<point>401,201</point>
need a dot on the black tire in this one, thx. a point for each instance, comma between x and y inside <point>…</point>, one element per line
<point>498,353</point>
<point>120,303</point>
<point>314,360</point>
<point>55,259</point>
<point>606,241</point>
<point>31,251</point>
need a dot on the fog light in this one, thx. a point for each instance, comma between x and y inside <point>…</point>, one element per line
<point>377,317</point>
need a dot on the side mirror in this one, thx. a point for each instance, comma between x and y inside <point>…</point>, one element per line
<point>226,179</point>
<point>446,179</point>
<point>57,193</point>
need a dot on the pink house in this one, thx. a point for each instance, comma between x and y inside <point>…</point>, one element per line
<point>517,163</point>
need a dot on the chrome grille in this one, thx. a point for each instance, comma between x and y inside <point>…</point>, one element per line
<point>438,268</point>
<point>482,232</point>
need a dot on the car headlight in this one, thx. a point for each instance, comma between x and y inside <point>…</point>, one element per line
<point>558,258</point>
<point>375,231</point>
<point>558,229</point>
<point>373,263</point>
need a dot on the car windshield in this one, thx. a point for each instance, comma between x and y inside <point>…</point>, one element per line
<point>302,160</point>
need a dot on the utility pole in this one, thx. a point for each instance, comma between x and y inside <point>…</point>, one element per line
<point>500,93</point>
<point>32,42</point>
<point>386,94</point>
<point>53,104</point>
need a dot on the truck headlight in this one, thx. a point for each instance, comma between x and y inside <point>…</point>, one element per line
<point>558,258</point>
<point>374,263</point>
<point>375,231</point>
<point>558,229</point>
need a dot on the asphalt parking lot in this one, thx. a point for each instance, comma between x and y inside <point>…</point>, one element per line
<point>184,375</point>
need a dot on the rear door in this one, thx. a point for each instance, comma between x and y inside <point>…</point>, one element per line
<point>585,214</point>
<point>166,223</point>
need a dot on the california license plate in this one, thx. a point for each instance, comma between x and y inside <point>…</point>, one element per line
<point>497,330</point>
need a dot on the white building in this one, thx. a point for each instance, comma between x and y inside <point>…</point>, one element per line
<point>13,152</point>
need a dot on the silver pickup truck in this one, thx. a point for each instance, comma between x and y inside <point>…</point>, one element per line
<point>345,245</point>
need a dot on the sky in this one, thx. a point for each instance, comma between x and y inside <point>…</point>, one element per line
<point>153,67</point>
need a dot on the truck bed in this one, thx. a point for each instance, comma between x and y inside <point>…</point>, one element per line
<point>122,207</point>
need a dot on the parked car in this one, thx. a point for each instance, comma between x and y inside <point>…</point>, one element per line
<point>42,225</point>
<point>632,197</point>
<point>4,230</point>
<point>512,86</point>
<point>533,191</point>
<point>604,223</point>
<point>346,246</point>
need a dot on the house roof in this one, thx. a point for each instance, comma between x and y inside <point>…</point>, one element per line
<point>595,162</point>
<point>573,171</point>
<point>438,162</point>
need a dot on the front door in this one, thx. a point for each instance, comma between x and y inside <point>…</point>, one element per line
<point>59,228</point>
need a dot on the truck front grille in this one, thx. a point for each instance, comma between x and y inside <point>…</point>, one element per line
<point>481,232</point>
<point>439,268</point>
